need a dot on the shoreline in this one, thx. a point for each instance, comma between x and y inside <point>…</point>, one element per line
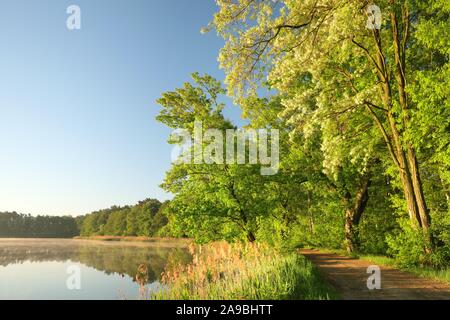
<point>103,241</point>
<point>134,239</point>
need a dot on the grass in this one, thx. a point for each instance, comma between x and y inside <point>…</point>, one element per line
<point>425,272</point>
<point>220,271</point>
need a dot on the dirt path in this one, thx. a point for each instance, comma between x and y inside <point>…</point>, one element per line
<point>349,277</point>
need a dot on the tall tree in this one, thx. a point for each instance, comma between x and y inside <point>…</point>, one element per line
<point>363,72</point>
<point>211,193</point>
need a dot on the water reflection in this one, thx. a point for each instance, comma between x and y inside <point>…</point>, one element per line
<point>138,263</point>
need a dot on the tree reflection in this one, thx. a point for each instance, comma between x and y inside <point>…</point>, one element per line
<point>117,258</point>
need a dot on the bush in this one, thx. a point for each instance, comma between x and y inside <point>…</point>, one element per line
<point>409,248</point>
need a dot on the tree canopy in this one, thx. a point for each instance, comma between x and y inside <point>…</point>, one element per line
<point>146,218</point>
<point>359,96</point>
<point>14,225</point>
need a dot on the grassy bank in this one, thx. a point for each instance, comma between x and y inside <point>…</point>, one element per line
<point>251,272</point>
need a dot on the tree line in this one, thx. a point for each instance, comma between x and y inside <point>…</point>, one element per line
<point>14,225</point>
<point>146,218</point>
<point>364,123</point>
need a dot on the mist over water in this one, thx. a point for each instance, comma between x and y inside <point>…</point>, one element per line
<point>38,268</point>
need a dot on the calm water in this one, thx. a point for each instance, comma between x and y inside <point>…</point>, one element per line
<point>42,269</point>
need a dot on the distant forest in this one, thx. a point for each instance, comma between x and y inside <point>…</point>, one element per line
<point>143,219</point>
<point>14,225</point>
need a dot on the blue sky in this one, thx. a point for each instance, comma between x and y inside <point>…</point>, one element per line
<point>77,108</point>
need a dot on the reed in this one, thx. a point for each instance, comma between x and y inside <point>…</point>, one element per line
<point>222,271</point>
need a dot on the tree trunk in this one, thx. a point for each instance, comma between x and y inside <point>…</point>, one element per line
<point>424,213</point>
<point>394,142</point>
<point>354,212</point>
<point>310,215</point>
<point>399,41</point>
<point>251,237</point>
<point>401,151</point>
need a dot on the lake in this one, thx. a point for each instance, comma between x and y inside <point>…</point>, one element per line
<point>84,269</point>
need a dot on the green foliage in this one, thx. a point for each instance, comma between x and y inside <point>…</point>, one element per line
<point>212,201</point>
<point>407,247</point>
<point>440,274</point>
<point>159,219</point>
<point>144,219</point>
<point>14,225</point>
<point>364,100</point>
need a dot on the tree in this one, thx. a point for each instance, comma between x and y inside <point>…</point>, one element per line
<point>160,219</point>
<point>215,200</point>
<point>134,220</point>
<point>320,155</point>
<point>147,210</point>
<point>349,69</point>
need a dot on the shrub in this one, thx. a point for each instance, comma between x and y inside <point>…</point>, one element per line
<point>409,248</point>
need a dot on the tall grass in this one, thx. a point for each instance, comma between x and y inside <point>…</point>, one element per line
<point>222,271</point>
